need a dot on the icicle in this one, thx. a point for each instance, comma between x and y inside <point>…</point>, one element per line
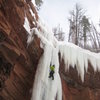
<point>74,55</point>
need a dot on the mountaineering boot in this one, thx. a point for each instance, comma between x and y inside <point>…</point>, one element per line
<point>52,77</point>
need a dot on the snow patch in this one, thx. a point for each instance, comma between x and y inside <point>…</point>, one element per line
<point>32,13</point>
<point>33,1</point>
<point>30,38</point>
<point>30,34</point>
<point>26,25</point>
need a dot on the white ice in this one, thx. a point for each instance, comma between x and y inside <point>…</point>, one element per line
<point>74,55</point>
<point>45,88</point>
<point>26,25</point>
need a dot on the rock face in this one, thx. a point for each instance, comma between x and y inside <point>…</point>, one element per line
<point>74,89</point>
<point>18,61</point>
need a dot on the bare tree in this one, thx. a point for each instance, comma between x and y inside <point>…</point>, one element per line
<point>95,35</point>
<point>58,33</point>
<point>76,16</point>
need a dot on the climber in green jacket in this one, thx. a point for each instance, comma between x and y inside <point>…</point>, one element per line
<point>52,71</point>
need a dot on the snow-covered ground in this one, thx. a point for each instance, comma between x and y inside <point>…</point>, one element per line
<point>45,88</point>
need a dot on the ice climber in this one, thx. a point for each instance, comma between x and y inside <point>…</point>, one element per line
<point>52,71</point>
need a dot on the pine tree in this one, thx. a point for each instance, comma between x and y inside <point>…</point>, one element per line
<point>39,3</point>
<point>85,28</point>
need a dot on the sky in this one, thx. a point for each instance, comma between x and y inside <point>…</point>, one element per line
<point>54,12</point>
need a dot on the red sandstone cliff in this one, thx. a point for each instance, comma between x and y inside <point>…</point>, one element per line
<point>19,62</point>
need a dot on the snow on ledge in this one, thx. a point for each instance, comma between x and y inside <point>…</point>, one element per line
<point>74,55</point>
<point>26,25</point>
<point>33,1</point>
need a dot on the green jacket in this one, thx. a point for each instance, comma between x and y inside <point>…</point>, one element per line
<point>52,68</point>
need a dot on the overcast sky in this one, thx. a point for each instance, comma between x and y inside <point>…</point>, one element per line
<point>54,12</point>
